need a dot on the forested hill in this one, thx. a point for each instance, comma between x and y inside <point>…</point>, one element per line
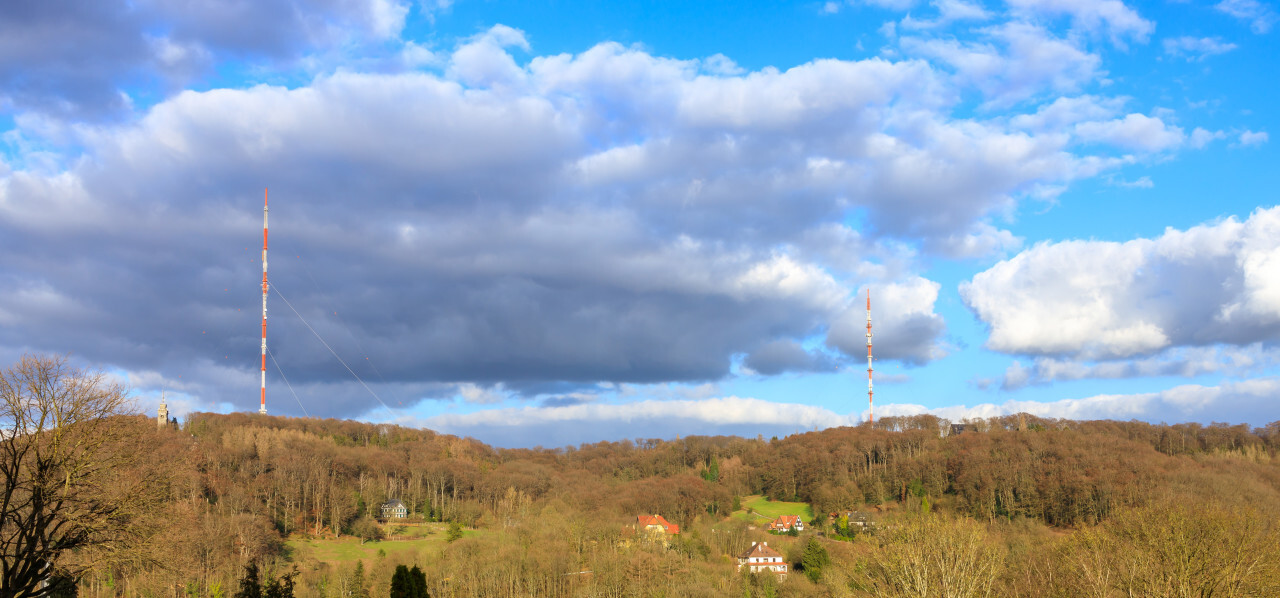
<point>241,484</point>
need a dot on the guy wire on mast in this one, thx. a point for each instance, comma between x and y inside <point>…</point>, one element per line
<point>263,397</point>
<point>871,416</point>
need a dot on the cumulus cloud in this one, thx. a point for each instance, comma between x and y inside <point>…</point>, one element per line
<point>523,220</point>
<point>1214,283</point>
<point>1196,48</point>
<point>657,258</point>
<point>1254,138</point>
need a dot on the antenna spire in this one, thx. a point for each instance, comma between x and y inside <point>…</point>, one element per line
<point>871,417</point>
<point>263,406</point>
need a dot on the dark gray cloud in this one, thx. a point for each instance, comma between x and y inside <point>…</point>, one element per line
<point>787,355</point>
<point>76,59</point>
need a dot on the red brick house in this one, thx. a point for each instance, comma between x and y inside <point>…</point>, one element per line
<point>762,558</point>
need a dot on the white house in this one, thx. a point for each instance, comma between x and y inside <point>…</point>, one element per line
<point>394,509</point>
<point>762,558</point>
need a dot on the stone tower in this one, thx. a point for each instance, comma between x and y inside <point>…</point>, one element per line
<point>162,417</point>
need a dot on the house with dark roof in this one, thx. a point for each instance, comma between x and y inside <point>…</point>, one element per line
<point>786,523</point>
<point>394,509</point>
<point>760,558</point>
<point>857,519</point>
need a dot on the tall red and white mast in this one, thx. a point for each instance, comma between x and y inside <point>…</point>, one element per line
<point>263,407</point>
<point>871,417</point>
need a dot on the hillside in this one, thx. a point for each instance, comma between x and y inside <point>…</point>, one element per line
<point>1028,499</point>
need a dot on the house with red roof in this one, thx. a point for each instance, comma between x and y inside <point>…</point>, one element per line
<point>654,528</point>
<point>762,558</point>
<point>786,523</point>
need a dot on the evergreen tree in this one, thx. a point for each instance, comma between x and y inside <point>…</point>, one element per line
<point>400,583</point>
<point>417,583</point>
<point>815,557</point>
<point>281,587</point>
<point>454,533</point>
<point>249,587</point>
<point>356,582</point>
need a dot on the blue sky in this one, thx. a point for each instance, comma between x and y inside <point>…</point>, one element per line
<point>553,223</point>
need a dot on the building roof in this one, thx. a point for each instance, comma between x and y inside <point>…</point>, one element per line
<point>393,503</point>
<point>760,550</point>
<point>647,520</point>
<point>786,522</point>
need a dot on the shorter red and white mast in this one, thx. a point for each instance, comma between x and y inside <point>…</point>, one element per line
<point>871,417</point>
<point>263,397</point>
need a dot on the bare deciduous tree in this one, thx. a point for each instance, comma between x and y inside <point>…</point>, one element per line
<point>66,505</point>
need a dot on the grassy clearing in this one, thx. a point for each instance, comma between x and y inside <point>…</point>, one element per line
<point>760,509</point>
<point>348,549</point>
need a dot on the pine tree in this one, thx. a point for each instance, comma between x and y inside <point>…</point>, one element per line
<point>356,582</point>
<point>249,587</point>
<point>454,533</point>
<point>814,559</point>
<point>281,587</point>
<point>417,583</point>
<point>400,583</point>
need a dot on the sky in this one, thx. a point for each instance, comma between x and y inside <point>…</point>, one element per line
<point>547,223</point>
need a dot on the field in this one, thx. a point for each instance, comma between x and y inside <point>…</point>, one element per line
<point>758,509</point>
<point>349,548</point>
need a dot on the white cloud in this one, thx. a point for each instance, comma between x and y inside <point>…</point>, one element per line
<point>1196,48</point>
<point>1214,283</point>
<point>983,240</point>
<point>1143,182</point>
<point>1202,137</point>
<point>386,17</point>
<point>1134,131</point>
<point>595,421</point>
<point>898,5</point>
<point>480,395</point>
<point>949,11</point>
<point>1120,21</point>
<point>1260,16</point>
<point>484,62</point>
<point>1246,401</point>
<point>415,55</point>
<point>1020,61</point>
<point>1186,362</point>
<point>1064,112</point>
<point>1254,138</point>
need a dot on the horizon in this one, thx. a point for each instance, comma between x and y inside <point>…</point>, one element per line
<point>552,225</point>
